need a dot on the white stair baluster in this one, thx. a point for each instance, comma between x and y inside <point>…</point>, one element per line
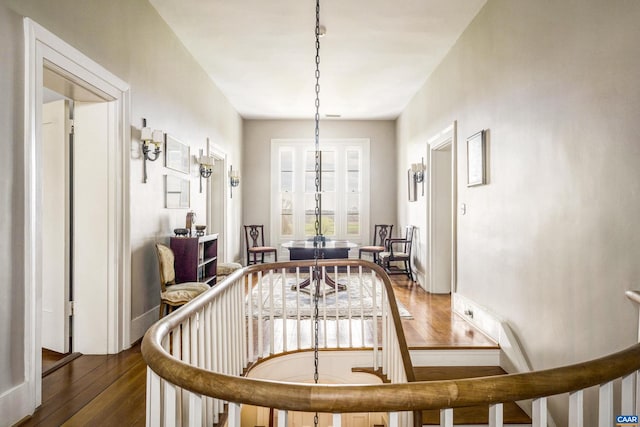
<point>283,275</point>
<point>337,418</point>
<point>446,417</point>
<point>628,394</point>
<point>283,418</point>
<point>195,410</point>
<point>605,404</point>
<point>539,415</point>
<point>576,409</point>
<point>234,415</point>
<point>496,415</point>
<point>393,419</point>
<point>170,404</point>
<point>154,405</point>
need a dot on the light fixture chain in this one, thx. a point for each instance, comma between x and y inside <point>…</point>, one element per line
<point>317,238</point>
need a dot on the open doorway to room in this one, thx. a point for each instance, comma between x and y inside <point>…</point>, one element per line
<point>94,237</point>
<point>442,211</point>
<point>74,251</point>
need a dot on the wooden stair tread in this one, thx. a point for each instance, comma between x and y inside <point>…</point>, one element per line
<point>436,373</point>
<point>512,413</point>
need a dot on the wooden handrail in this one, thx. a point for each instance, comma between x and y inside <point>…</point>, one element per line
<point>412,396</point>
<point>396,397</point>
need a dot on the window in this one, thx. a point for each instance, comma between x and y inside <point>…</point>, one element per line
<point>344,189</point>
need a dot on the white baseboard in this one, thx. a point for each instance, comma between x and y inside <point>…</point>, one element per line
<point>140,324</point>
<point>15,404</point>
<point>513,359</point>
<point>422,278</point>
<point>454,357</point>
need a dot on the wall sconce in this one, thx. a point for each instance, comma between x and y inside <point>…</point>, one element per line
<point>206,167</point>
<point>418,173</point>
<point>234,179</point>
<point>147,137</point>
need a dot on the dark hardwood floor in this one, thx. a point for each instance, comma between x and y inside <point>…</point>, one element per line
<point>110,390</point>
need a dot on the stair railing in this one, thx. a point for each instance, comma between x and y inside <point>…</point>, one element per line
<point>197,355</point>
<point>252,316</point>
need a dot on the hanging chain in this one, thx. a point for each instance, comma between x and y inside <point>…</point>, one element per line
<point>317,238</point>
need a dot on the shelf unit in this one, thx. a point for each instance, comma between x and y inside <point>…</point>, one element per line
<point>196,258</point>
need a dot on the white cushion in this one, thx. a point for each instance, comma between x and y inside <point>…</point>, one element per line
<point>226,268</point>
<point>395,254</point>
<point>182,293</point>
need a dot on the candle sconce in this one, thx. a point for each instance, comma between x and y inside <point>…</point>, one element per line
<point>206,167</point>
<point>234,179</point>
<point>415,177</point>
<point>148,138</point>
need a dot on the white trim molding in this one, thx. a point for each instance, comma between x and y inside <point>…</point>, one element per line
<point>45,49</point>
<point>446,138</point>
<point>140,324</point>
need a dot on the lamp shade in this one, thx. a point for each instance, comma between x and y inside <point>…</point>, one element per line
<point>207,160</point>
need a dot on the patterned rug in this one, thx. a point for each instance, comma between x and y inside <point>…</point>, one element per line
<point>357,299</point>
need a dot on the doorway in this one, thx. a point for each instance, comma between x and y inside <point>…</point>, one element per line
<point>217,200</point>
<point>104,313</point>
<point>442,211</point>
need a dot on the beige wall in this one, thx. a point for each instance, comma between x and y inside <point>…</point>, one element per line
<point>128,38</point>
<point>11,201</point>
<point>552,242</point>
<point>256,168</point>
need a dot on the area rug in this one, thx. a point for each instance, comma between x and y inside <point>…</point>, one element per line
<point>357,300</point>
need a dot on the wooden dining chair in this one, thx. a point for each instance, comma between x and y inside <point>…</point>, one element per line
<point>398,250</point>
<point>254,239</point>
<point>172,294</point>
<point>380,233</point>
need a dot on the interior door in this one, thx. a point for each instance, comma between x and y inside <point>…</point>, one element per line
<point>91,227</point>
<point>56,226</point>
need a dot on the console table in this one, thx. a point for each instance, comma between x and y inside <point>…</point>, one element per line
<point>196,258</point>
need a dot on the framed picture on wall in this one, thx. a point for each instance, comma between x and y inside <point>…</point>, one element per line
<point>177,192</point>
<point>176,155</point>
<point>476,174</point>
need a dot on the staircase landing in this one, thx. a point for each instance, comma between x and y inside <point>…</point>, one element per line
<point>433,324</point>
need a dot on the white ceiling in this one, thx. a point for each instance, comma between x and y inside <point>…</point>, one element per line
<point>375,56</point>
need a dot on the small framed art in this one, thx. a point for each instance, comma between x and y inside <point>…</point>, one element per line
<point>476,167</point>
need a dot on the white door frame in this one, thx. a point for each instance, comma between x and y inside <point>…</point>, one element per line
<point>223,241</point>
<point>44,49</point>
<point>448,136</point>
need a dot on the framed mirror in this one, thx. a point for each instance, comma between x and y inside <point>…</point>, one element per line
<point>177,192</point>
<point>176,154</point>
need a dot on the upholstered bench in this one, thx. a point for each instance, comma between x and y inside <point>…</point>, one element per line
<point>225,269</point>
